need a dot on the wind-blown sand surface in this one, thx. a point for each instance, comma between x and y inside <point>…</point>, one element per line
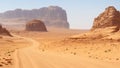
<point>55,50</point>
<point>8,45</point>
<point>31,57</point>
<point>61,49</point>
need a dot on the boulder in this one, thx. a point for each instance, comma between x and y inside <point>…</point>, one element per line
<point>53,16</point>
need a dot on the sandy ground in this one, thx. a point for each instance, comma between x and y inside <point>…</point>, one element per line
<point>66,49</point>
<point>8,45</point>
<point>31,57</point>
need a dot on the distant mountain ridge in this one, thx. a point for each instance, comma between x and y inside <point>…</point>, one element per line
<point>52,16</point>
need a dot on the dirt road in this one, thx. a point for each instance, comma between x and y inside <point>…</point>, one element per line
<point>31,57</point>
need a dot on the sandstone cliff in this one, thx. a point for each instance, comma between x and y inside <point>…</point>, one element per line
<point>52,16</point>
<point>105,27</point>
<point>110,17</point>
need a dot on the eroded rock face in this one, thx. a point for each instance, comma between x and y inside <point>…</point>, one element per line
<point>36,25</point>
<point>53,16</point>
<point>110,17</point>
<point>3,31</point>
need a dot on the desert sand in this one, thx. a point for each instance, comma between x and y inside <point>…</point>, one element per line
<point>55,49</point>
<point>8,45</point>
<point>60,48</point>
<point>52,44</point>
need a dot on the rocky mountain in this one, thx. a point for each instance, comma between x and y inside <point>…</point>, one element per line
<point>110,17</point>
<point>35,25</point>
<point>52,16</point>
<point>103,27</point>
<point>4,31</point>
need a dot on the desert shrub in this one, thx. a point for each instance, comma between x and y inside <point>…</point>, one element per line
<point>74,53</point>
<point>117,58</point>
<point>66,49</point>
<point>109,50</point>
<point>105,51</point>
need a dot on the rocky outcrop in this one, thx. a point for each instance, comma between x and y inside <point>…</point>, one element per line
<point>35,25</point>
<point>53,16</point>
<point>110,17</point>
<point>3,31</point>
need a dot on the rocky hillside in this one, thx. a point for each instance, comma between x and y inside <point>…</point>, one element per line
<point>103,41</point>
<point>52,16</point>
<point>110,17</point>
<point>105,26</point>
<point>4,31</point>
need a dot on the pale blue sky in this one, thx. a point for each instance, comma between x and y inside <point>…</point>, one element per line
<point>80,12</point>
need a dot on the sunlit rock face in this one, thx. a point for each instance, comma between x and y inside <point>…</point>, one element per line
<point>110,17</point>
<point>36,25</point>
<point>53,16</point>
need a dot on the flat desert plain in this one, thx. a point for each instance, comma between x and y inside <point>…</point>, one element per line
<point>60,49</point>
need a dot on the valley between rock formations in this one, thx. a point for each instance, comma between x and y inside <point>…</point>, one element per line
<point>47,51</point>
<point>31,57</point>
<point>63,48</point>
